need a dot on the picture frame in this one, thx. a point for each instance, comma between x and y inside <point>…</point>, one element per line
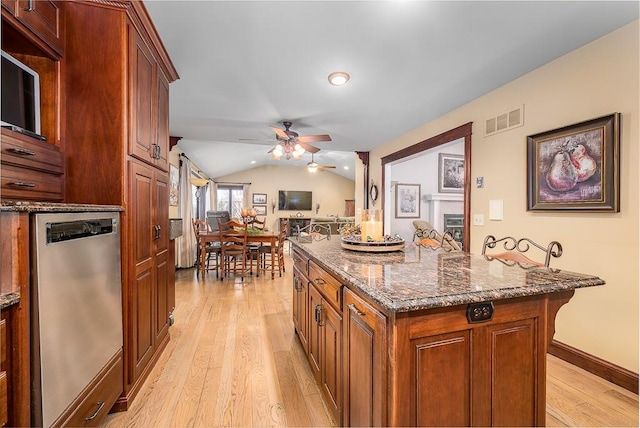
<point>576,167</point>
<point>260,209</point>
<point>450,173</point>
<point>407,200</point>
<point>174,177</point>
<point>259,198</point>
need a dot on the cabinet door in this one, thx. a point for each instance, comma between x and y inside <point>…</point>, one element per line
<point>314,312</point>
<point>161,263</point>
<point>142,308</point>
<point>301,307</point>
<point>162,127</point>
<point>143,144</point>
<point>365,341</point>
<point>331,358</point>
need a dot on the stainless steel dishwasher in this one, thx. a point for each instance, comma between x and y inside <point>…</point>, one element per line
<point>77,306</point>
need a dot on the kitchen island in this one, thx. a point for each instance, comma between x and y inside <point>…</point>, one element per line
<point>427,338</point>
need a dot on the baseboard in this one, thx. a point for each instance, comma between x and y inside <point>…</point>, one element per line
<point>601,368</point>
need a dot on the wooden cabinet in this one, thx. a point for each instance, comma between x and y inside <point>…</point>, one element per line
<point>325,336</point>
<point>301,306</point>
<point>41,21</point>
<point>4,400</point>
<point>149,309</point>
<point>150,106</point>
<point>112,158</point>
<point>31,170</point>
<point>365,346</point>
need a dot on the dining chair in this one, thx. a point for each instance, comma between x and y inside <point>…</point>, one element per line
<point>515,249</point>
<point>212,248</point>
<point>233,246</point>
<point>266,260</point>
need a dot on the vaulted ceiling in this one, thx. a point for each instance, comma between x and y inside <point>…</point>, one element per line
<point>245,65</point>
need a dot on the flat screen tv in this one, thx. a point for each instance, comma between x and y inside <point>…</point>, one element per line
<point>294,200</point>
<point>20,97</point>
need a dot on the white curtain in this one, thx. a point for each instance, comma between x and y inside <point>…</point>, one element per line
<point>213,195</point>
<point>186,244</point>
<point>246,198</point>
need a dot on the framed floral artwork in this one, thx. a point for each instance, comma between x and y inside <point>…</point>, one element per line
<point>407,200</point>
<point>450,173</point>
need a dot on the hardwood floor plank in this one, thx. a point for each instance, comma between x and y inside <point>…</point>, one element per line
<point>234,360</point>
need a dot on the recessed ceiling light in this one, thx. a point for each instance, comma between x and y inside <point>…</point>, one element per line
<point>339,78</point>
<point>346,167</point>
<point>252,162</point>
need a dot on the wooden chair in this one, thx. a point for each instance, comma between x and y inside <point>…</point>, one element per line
<point>233,246</point>
<point>278,253</point>
<point>255,247</point>
<point>515,249</point>
<point>212,248</point>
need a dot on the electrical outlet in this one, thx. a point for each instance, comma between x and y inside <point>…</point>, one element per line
<point>479,312</point>
<point>478,219</point>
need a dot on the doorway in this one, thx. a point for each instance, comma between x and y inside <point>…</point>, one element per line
<point>462,133</point>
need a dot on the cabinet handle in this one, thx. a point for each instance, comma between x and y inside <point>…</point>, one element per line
<point>29,7</point>
<point>318,315</point>
<point>158,151</point>
<point>21,184</point>
<point>159,231</point>
<point>19,151</point>
<point>95,414</point>
<point>353,308</point>
<point>319,281</point>
<point>296,284</point>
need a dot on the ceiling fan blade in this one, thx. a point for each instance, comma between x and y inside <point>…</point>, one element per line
<point>279,132</point>
<point>308,148</point>
<point>313,138</point>
<point>326,166</point>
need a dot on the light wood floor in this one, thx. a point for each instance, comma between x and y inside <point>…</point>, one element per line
<point>233,360</point>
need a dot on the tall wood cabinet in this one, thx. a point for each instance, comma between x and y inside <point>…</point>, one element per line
<point>117,84</point>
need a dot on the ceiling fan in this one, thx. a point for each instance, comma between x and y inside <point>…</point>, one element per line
<point>292,145</point>
<point>313,166</point>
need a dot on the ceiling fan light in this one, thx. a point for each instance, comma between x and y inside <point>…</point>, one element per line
<point>339,78</point>
<point>277,151</point>
<point>275,156</point>
<point>312,168</point>
<point>296,155</point>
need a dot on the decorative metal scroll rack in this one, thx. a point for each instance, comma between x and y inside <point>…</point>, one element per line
<point>313,232</point>
<point>439,241</point>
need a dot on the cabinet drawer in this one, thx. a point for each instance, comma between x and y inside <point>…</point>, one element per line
<point>91,410</point>
<point>20,183</point>
<point>301,262</point>
<point>38,155</point>
<point>327,285</point>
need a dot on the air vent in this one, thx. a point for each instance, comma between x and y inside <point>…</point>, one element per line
<point>504,121</point>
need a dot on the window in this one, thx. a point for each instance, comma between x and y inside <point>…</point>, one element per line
<point>230,199</point>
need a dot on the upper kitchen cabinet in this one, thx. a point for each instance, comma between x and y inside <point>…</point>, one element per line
<point>150,107</point>
<point>32,33</point>
<point>41,22</point>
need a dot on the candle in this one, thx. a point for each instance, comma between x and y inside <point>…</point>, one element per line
<point>371,226</point>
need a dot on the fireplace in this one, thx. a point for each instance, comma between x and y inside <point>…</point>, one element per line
<point>454,223</point>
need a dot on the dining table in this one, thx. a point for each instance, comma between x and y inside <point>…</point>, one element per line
<point>265,237</point>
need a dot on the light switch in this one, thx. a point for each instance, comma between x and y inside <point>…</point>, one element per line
<point>479,182</point>
<point>478,219</point>
<point>495,209</point>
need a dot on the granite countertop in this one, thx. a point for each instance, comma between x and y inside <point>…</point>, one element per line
<point>421,278</point>
<point>8,299</point>
<point>55,207</point>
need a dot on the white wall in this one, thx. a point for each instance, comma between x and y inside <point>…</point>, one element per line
<point>422,170</point>
<point>595,80</point>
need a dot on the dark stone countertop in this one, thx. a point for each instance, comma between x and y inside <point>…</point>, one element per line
<point>8,299</point>
<point>55,207</point>
<point>421,278</point>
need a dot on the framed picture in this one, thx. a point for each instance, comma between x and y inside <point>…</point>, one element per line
<point>450,173</point>
<point>260,198</point>
<point>576,167</point>
<point>260,209</point>
<point>173,186</point>
<point>407,200</point>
